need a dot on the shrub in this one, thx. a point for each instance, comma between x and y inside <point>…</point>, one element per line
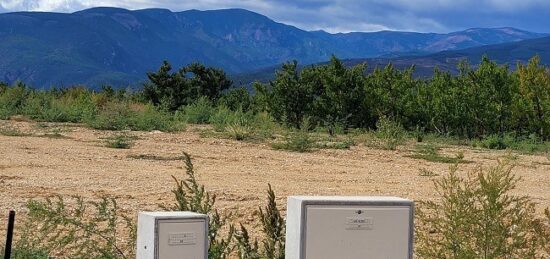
<point>527,144</point>
<point>390,133</point>
<point>80,230</point>
<point>13,98</point>
<point>113,116</point>
<point>191,196</point>
<point>478,217</point>
<point>493,142</point>
<point>239,132</point>
<point>198,112</point>
<point>297,140</point>
<point>149,118</point>
<point>221,118</point>
<point>264,125</point>
<point>273,230</point>
<point>236,99</point>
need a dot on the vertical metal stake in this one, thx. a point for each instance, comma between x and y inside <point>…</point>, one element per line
<point>9,235</point>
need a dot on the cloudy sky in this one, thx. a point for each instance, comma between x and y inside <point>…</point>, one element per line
<point>345,15</point>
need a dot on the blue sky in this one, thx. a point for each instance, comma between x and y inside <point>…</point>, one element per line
<point>345,15</point>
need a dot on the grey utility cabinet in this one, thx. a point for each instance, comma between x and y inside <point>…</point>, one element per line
<point>349,227</point>
<point>172,235</point>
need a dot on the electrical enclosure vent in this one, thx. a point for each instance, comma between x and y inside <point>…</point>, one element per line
<point>349,228</point>
<point>172,235</point>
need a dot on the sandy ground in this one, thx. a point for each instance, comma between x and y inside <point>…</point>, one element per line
<point>33,167</point>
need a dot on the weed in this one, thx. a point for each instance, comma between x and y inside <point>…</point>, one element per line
<point>155,157</point>
<point>55,133</point>
<point>273,229</point>
<point>427,173</point>
<point>239,132</point>
<point>298,141</point>
<point>390,134</point>
<point>430,153</point>
<point>80,230</point>
<point>336,144</point>
<point>12,132</point>
<point>120,141</point>
<point>478,217</point>
<point>191,196</point>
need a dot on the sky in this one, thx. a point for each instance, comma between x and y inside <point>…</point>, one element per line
<point>344,15</point>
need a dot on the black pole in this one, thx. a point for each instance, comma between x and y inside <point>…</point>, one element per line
<point>9,236</point>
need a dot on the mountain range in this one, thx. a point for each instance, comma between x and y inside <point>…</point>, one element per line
<point>118,46</point>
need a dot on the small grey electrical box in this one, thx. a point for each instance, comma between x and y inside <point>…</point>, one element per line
<point>172,235</point>
<point>349,227</point>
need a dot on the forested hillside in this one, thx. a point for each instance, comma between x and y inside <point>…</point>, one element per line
<point>117,46</point>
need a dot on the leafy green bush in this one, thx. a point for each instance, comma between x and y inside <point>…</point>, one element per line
<point>79,230</point>
<point>13,98</point>
<point>527,144</point>
<point>121,116</point>
<point>236,99</point>
<point>390,134</point>
<point>150,118</point>
<point>198,112</point>
<point>478,217</point>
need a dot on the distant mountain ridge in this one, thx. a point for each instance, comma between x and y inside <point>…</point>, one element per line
<point>118,46</point>
<point>506,53</point>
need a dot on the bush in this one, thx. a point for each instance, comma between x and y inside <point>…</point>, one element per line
<point>113,116</point>
<point>82,230</point>
<point>191,196</point>
<point>493,142</point>
<point>199,112</point>
<point>478,217</point>
<point>273,230</point>
<point>122,116</point>
<point>149,118</point>
<point>528,144</point>
<point>239,132</point>
<point>236,99</point>
<point>390,133</point>
<point>298,141</point>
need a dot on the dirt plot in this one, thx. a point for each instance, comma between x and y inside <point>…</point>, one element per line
<point>75,161</point>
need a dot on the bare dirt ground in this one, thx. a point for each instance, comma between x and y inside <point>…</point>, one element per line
<point>34,167</point>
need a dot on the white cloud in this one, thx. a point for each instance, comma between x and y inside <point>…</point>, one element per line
<point>343,15</point>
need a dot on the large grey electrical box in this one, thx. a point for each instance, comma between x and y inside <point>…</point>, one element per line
<point>172,235</point>
<point>349,228</point>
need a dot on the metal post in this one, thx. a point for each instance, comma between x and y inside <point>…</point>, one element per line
<point>9,235</point>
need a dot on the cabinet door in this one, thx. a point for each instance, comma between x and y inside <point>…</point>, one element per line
<point>357,232</point>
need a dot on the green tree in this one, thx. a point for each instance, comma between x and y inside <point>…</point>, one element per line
<point>185,86</point>
<point>338,96</point>
<point>288,99</point>
<point>533,102</point>
<point>236,99</point>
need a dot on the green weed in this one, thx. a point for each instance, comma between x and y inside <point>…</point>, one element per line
<point>120,141</point>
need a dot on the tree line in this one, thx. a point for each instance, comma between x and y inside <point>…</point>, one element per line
<point>478,101</point>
